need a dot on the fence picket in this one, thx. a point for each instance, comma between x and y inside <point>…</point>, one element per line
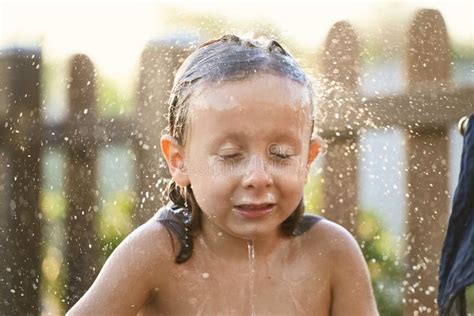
<point>82,247</point>
<point>340,71</point>
<point>428,70</point>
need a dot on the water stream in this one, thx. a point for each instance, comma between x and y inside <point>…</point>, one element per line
<point>251,253</point>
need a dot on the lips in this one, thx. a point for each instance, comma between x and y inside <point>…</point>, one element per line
<point>254,206</point>
<point>254,210</point>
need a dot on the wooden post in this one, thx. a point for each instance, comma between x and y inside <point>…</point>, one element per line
<point>81,184</point>
<point>428,70</point>
<point>340,69</point>
<point>20,261</point>
<point>5,194</point>
<point>6,306</point>
<point>159,63</point>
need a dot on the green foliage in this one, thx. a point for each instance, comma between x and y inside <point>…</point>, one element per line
<point>313,195</point>
<point>114,221</point>
<point>462,51</point>
<point>111,100</point>
<point>53,270</point>
<point>53,205</point>
<point>380,252</point>
<point>470,299</point>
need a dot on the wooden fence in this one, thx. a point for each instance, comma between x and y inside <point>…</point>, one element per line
<point>425,111</point>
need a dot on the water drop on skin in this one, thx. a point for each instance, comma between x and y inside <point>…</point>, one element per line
<point>251,255</point>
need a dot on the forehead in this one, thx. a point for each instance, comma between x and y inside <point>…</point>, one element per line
<point>260,105</point>
<point>258,88</point>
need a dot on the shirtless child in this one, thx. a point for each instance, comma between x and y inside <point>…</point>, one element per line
<point>234,239</point>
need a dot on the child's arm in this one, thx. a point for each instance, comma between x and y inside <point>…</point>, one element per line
<point>351,289</point>
<point>128,277</point>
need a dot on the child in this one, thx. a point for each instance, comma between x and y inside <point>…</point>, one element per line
<point>234,240</point>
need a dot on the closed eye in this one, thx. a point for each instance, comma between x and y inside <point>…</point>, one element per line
<point>282,156</point>
<point>230,156</point>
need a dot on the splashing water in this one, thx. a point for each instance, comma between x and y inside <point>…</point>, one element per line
<point>251,252</point>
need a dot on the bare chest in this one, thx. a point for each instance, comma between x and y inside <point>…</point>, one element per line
<point>200,288</point>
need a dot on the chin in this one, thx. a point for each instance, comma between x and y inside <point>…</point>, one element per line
<point>249,228</point>
<point>253,232</point>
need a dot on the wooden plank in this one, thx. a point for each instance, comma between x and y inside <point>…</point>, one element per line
<point>398,111</point>
<point>340,69</point>
<point>101,133</point>
<point>82,244</point>
<point>428,68</point>
<point>408,110</point>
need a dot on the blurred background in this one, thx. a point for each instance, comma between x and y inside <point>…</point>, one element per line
<point>118,42</point>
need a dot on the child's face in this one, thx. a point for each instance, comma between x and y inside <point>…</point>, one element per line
<point>248,144</point>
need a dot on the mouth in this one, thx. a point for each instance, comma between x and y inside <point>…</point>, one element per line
<point>254,210</point>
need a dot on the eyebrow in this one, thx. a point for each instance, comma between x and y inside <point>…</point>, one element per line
<point>278,135</point>
<point>233,136</point>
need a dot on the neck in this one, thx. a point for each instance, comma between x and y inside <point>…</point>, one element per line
<point>229,247</point>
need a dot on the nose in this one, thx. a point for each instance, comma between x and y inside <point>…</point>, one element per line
<point>256,175</point>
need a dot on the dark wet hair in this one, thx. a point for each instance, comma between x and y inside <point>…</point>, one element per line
<point>228,58</point>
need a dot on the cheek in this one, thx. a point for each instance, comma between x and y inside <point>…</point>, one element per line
<point>291,187</point>
<point>211,188</point>
<point>294,172</point>
<point>209,173</point>
<point>291,196</point>
<point>291,183</point>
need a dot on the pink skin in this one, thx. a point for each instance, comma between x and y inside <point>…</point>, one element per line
<point>247,158</point>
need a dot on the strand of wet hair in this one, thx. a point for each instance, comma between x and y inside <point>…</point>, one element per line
<point>273,45</point>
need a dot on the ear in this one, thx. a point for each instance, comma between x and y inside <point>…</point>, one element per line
<point>314,149</point>
<point>174,155</point>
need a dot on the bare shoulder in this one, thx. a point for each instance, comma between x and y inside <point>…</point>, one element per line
<point>130,274</point>
<point>332,237</point>
<point>153,240</point>
<point>351,289</point>
<point>149,244</point>
<point>338,246</point>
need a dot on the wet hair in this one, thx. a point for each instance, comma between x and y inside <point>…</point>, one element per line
<point>229,58</point>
